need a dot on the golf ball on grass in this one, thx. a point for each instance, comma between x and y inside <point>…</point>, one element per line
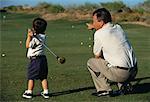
<point>90,38</point>
<point>81,43</point>
<point>3,54</point>
<point>90,46</point>
<point>72,26</point>
<point>20,42</point>
<point>4,17</point>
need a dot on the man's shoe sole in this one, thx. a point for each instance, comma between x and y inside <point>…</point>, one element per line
<point>103,94</point>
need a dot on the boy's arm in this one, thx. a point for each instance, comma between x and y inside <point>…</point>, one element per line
<point>29,37</point>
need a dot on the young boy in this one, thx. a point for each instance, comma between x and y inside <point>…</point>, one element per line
<point>37,68</point>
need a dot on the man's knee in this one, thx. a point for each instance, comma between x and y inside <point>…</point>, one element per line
<point>89,62</point>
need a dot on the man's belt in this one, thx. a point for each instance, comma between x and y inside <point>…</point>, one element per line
<point>124,68</point>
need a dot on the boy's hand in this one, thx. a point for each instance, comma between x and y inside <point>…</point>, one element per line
<point>30,33</point>
<point>90,26</point>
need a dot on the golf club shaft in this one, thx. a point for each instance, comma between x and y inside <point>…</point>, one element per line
<point>50,50</point>
<point>46,47</point>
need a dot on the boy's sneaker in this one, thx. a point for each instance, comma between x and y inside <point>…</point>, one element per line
<point>45,95</point>
<point>27,95</point>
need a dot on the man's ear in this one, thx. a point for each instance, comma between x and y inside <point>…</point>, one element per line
<point>101,22</point>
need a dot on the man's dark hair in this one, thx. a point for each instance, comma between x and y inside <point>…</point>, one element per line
<point>103,14</point>
<point>39,25</point>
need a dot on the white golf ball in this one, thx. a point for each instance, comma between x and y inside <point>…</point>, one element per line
<point>90,46</point>
<point>89,38</point>
<point>72,26</point>
<point>3,55</point>
<point>20,42</point>
<point>4,17</point>
<point>81,43</point>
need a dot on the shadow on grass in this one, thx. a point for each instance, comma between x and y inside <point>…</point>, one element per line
<point>67,91</point>
<point>137,88</point>
<point>141,88</point>
<point>138,80</point>
<point>71,91</point>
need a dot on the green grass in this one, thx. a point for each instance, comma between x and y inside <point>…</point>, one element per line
<point>65,41</point>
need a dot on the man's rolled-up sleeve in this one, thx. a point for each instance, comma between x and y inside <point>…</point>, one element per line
<point>97,46</point>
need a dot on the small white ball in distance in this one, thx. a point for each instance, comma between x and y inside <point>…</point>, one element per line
<point>3,55</point>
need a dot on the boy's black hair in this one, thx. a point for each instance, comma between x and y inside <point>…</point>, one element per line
<point>39,25</point>
<point>103,14</point>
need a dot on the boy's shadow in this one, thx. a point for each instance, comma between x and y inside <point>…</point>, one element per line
<point>71,91</point>
<point>137,88</point>
<point>67,91</point>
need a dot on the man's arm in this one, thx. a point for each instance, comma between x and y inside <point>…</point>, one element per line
<point>90,26</point>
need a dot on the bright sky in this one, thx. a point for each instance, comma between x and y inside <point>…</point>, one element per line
<point>63,2</point>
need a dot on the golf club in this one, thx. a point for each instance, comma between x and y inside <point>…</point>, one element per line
<point>61,60</point>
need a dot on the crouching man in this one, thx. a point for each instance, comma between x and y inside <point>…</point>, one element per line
<point>114,57</point>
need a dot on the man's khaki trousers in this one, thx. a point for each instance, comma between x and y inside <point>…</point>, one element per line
<point>101,73</point>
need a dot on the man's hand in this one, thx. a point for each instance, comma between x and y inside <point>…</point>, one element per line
<point>96,56</point>
<point>100,55</point>
<point>90,26</point>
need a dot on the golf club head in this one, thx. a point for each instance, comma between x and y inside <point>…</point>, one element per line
<point>61,60</point>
